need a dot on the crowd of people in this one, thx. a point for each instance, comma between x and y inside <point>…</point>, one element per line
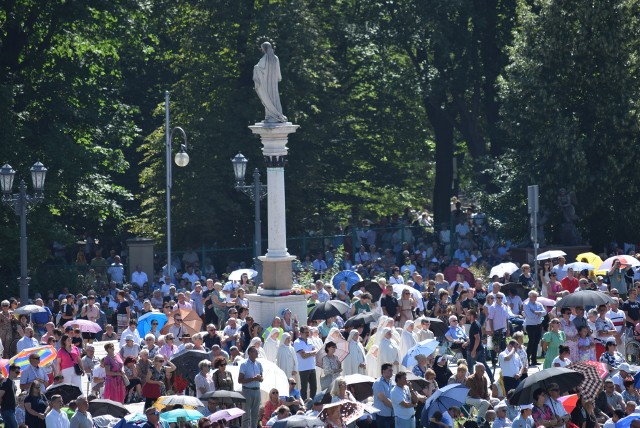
<point>489,339</point>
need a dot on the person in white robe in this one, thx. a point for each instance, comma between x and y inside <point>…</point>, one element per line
<point>286,358</point>
<point>407,341</point>
<point>389,351</point>
<point>272,344</point>
<point>256,342</point>
<point>373,366</point>
<point>355,362</point>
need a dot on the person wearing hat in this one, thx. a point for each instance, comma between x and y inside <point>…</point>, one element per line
<point>524,419</point>
<point>556,405</point>
<point>502,420</point>
<point>624,371</point>
<point>130,348</point>
<point>443,373</point>
<point>132,331</point>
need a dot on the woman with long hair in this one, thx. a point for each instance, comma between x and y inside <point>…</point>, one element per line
<point>68,357</point>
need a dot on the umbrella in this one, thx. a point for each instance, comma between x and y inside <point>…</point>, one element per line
<point>144,322</point>
<point>372,287</point>
<point>85,326</point>
<point>502,269</point>
<point>226,414</point>
<point>426,348</point>
<point>628,261</point>
<point>236,275</point>
<point>566,379</point>
<point>399,288</point>
<point>626,422</point>
<point>224,396</point>
<point>551,254</point>
<point>341,352</point>
<point>592,384</point>
<point>46,353</point>
<point>190,321</point>
<point>349,410</point>
<point>520,290</point>
<point>361,319</point>
<point>545,301</point>
<point>603,370</point>
<point>328,309</point>
<point>569,402</point>
<point>299,421</point>
<point>444,398</point>
<point>173,415</point>
<point>593,259</point>
<point>273,377</point>
<point>108,421</point>
<point>584,298</point>
<point>29,309</point>
<point>4,367</point>
<point>187,362</point>
<point>348,276</point>
<point>101,407</point>
<point>66,390</point>
<point>183,400</point>
<point>437,326</point>
<point>134,420</point>
<point>580,266</point>
<point>451,272</point>
<point>362,386</point>
<point>418,383</point>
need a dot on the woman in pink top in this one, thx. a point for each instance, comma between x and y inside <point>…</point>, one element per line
<point>168,349</point>
<point>68,355</point>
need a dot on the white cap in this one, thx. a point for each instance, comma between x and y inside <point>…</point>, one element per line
<point>501,405</point>
<point>357,293</point>
<point>128,337</point>
<point>526,406</point>
<point>625,367</point>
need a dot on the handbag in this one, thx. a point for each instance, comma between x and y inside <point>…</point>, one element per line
<point>150,390</point>
<point>76,366</point>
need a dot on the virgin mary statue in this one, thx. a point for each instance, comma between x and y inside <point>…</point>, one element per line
<point>266,75</point>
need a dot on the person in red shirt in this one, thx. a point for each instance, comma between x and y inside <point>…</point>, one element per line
<point>570,282</point>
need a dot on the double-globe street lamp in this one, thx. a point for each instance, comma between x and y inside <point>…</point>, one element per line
<point>182,160</point>
<point>20,202</point>
<point>256,192</point>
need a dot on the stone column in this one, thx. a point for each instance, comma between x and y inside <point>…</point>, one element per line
<point>141,253</point>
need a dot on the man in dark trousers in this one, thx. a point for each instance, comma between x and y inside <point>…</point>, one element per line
<point>476,351</point>
<point>8,397</point>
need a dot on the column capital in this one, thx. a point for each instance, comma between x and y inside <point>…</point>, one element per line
<point>275,161</point>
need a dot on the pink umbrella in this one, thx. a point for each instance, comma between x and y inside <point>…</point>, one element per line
<point>85,326</point>
<point>545,302</point>
<point>341,352</point>
<point>226,414</point>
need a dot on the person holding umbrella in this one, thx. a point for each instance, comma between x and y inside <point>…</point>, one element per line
<point>331,366</point>
<point>534,313</point>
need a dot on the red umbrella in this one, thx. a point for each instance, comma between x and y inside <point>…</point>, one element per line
<point>451,272</point>
<point>600,367</point>
<point>569,402</point>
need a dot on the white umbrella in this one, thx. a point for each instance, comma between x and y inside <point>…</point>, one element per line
<point>551,254</point>
<point>502,269</point>
<point>30,309</point>
<point>273,377</point>
<point>580,266</point>
<point>237,274</point>
<point>624,260</point>
<point>183,400</point>
<point>399,288</point>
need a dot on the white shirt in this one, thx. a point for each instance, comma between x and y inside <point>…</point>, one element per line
<point>561,363</point>
<point>499,317</point>
<point>557,408</point>
<point>139,278</point>
<point>127,332</point>
<point>56,419</point>
<point>561,271</point>
<point>512,367</point>
<point>205,382</point>
<point>304,363</point>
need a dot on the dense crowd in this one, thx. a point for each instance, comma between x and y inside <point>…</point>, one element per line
<point>487,334</point>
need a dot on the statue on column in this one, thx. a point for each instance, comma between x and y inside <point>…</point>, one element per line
<point>266,75</point>
<point>567,202</point>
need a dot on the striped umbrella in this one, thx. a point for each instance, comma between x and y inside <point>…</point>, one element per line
<point>46,353</point>
<point>592,384</point>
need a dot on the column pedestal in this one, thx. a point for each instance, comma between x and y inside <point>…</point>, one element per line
<point>264,308</point>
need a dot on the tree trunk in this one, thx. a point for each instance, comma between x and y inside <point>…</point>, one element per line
<point>442,190</point>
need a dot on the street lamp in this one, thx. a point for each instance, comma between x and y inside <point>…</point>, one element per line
<point>182,160</point>
<point>20,202</point>
<point>255,192</point>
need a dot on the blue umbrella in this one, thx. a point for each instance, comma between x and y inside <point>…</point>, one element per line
<point>426,348</point>
<point>173,415</point>
<point>626,422</point>
<point>348,276</point>
<point>444,398</point>
<point>144,322</point>
<point>636,378</point>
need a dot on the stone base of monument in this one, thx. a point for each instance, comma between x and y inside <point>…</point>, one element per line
<point>264,308</point>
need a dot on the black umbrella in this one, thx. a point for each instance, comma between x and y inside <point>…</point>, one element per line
<point>67,391</point>
<point>361,319</point>
<point>584,298</point>
<point>299,421</point>
<point>100,407</point>
<point>371,287</point>
<point>187,363</point>
<point>566,379</point>
<point>518,287</point>
<point>224,396</point>
<point>328,309</point>
<point>438,327</point>
<point>417,382</point>
<point>361,386</point>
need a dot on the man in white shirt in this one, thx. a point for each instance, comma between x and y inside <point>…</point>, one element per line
<point>132,330</point>
<point>404,401</point>
<point>498,322</point>
<point>306,353</point>
<point>560,269</point>
<point>139,276</point>
<point>511,365</point>
<point>27,341</point>
<point>323,295</point>
<point>616,315</point>
<point>190,275</point>
<point>556,405</point>
<point>56,418</point>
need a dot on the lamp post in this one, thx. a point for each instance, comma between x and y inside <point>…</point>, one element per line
<point>182,160</point>
<point>256,192</point>
<point>20,202</point>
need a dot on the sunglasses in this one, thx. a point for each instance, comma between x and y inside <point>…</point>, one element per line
<point>154,323</point>
<point>177,319</point>
<point>292,383</point>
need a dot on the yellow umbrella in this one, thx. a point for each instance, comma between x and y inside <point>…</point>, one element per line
<point>593,259</point>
